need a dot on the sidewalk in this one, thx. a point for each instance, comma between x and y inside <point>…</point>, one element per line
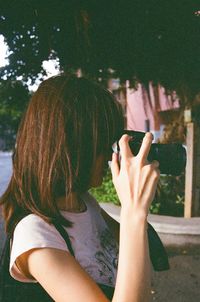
<point>182,282</point>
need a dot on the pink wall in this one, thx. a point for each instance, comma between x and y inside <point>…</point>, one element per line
<point>142,106</point>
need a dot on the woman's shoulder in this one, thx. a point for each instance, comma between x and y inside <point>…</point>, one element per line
<point>31,222</point>
<point>33,231</point>
<point>30,218</point>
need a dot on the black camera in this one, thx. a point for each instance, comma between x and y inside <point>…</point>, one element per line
<point>171,157</point>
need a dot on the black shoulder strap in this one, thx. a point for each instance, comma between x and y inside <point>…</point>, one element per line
<point>65,236</point>
<point>158,254</point>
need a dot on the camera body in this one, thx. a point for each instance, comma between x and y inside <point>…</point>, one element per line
<point>171,157</point>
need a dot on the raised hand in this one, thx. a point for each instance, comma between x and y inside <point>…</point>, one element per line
<point>134,178</point>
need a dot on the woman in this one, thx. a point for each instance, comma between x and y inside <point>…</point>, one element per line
<point>62,148</point>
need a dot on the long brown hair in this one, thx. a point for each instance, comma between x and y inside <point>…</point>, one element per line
<point>68,123</point>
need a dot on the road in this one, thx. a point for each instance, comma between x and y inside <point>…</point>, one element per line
<point>5,173</point>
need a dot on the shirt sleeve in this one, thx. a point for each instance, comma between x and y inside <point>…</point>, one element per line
<point>32,232</point>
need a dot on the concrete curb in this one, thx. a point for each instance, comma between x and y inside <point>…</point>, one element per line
<point>174,231</point>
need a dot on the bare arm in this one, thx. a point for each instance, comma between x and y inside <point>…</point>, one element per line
<point>135,181</point>
<point>140,254</point>
<point>63,277</point>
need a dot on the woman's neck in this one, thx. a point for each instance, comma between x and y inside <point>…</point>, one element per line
<point>72,203</point>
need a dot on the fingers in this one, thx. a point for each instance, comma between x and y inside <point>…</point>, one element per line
<point>125,150</point>
<point>145,147</point>
<point>114,165</point>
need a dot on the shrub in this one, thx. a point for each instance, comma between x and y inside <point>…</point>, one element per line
<point>169,199</point>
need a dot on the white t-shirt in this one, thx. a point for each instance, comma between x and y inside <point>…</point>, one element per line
<point>95,248</point>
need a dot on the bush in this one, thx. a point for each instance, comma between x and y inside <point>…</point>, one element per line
<point>106,192</point>
<point>169,199</point>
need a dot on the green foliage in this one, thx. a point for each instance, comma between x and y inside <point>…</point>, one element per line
<point>106,192</point>
<point>14,96</point>
<point>143,39</point>
<point>169,199</point>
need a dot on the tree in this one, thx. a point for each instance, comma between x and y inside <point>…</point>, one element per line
<point>14,96</point>
<point>145,39</point>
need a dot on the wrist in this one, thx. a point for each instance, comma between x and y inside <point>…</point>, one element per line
<point>130,215</point>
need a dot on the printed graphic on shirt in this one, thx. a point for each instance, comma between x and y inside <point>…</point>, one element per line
<point>107,258</point>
